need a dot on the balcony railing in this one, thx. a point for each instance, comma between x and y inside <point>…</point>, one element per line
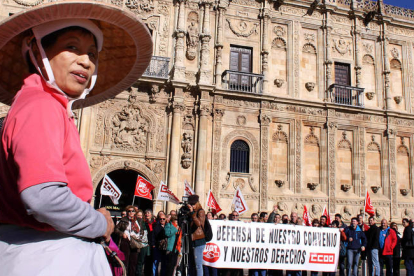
<point>158,68</point>
<point>347,95</point>
<point>243,82</point>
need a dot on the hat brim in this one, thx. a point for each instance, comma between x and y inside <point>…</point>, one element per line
<point>126,53</point>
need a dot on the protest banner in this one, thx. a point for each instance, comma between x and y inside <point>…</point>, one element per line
<point>108,188</point>
<point>269,246</point>
<point>187,189</point>
<point>165,194</point>
<point>239,203</point>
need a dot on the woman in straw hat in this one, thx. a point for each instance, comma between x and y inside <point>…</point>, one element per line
<point>46,220</point>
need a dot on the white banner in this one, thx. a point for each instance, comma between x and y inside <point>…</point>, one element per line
<point>109,188</point>
<point>269,246</point>
<point>165,194</point>
<point>239,203</point>
<point>187,189</point>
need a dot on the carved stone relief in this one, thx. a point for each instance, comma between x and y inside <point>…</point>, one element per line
<point>280,136</point>
<point>368,47</point>
<point>309,48</point>
<point>242,28</point>
<point>192,36</point>
<point>368,60</point>
<point>342,46</point>
<point>344,144</point>
<point>373,145</point>
<point>311,138</point>
<point>279,43</point>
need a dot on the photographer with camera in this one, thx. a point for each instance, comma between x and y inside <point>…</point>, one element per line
<point>198,218</point>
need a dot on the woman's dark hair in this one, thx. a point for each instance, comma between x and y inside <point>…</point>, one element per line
<point>407,221</point>
<point>50,39</point>
<point>263,214</point>
<point>335,223</point>
<point>315,221</point>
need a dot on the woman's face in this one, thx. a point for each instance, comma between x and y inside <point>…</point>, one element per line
<point>131,213</point>
<point>139,215</point>
<point>73,59</point>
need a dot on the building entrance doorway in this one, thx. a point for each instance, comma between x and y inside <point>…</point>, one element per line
<point>125,180</point>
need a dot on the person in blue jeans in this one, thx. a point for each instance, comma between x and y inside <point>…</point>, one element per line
<point>356,242</point>
<point>407,245</point>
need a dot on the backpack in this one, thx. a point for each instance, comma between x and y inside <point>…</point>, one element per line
<point>208,232</point>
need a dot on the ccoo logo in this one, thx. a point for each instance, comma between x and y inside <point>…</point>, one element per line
<point>322,258</point>
<point>211,253</point>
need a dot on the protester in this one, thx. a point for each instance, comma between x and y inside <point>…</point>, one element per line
<point>285,219</point>
<point>263,217</point>
<point>273,214</point>
<point>315,223</point>
<point>210,216</point>
<point>356,242</point>
<point>396,256</point>
<point>387,242</point>
<point>293,218</point>
<point>171,230</point>
<point>338,218</point>
<point>160,245</point>
<point>323,221</point>
<point>255,217</point>
<point>222,217</point>
<point>373,248</point>
<point>198,217</point>
<point>408,246</point>
<point>149,259</point>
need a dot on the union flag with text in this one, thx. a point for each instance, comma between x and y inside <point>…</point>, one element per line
<point>368,205</point>
<point>143,188</point>
<point>212,202</point>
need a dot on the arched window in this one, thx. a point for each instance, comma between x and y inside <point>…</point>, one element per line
<point>239,157</point>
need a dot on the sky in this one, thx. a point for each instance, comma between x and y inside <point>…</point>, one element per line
<point>409,4</point>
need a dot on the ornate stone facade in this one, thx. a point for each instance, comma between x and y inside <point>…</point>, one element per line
<point>306,147</point>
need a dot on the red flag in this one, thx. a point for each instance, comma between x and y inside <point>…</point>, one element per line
<point>368,205</point>
<point>306,217</point>
<point>212,202</point>
<point>328,217</point>
<point>143,188</point>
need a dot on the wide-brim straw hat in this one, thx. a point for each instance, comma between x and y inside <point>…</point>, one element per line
<point>126,53</point>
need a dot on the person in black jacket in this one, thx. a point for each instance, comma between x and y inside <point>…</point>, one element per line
<point>408,246</point>
<point>396,258</point>
<point>373,248</point>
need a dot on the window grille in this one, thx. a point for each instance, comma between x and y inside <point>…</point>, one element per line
<point>239,157</point>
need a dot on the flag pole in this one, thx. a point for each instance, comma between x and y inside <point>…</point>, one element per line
<point>365,203</point>
<point>100,201</point>
<point>133,200</point>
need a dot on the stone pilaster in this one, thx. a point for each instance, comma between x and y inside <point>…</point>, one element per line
<point>205,112</point>
<point>298,156</point>
<point>362,185</point>
<point>215,172</point>
<point>332,127</point>
<point>392,172</point>
<point>179,69</point>
<point>264,167</point>
<point>178,108</point>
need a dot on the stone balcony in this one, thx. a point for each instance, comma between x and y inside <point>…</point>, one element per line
<point>158,68</point>
<point>347,95</point>
<point>242,82</point>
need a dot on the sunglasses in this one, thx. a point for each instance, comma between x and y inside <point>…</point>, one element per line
<point>162,218</point>
<point>131,211</point>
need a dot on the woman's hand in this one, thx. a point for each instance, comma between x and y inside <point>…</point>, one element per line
<point>190,207</point>
<point>110,224</point>
<point>125,236</point>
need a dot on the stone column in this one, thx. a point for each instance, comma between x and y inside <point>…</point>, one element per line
<point>179,33</point>
<point>386,72</point>
<point>332,127</point>
<point>265,49</point>
<point>328,60</point>
<point>219,45</point>
<point>205,111</point>
<point>174,162</point>
<point>205,69</point>
<point>358,63</point>
<point>264,167</point>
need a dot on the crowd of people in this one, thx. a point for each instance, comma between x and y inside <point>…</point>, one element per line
<point>380,246</point>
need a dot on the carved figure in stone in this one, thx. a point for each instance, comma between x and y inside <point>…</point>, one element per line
<point>316,211</point>
<point>129,129</point>
<point>192,40</point>
<point>407,213</point>
<point>342,46</point>
<point>347,214</point>
<point>187,146</point>
<point>282,206</point>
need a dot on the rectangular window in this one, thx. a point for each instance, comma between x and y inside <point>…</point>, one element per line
<point>240,61</point>
<point>343,77</point>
